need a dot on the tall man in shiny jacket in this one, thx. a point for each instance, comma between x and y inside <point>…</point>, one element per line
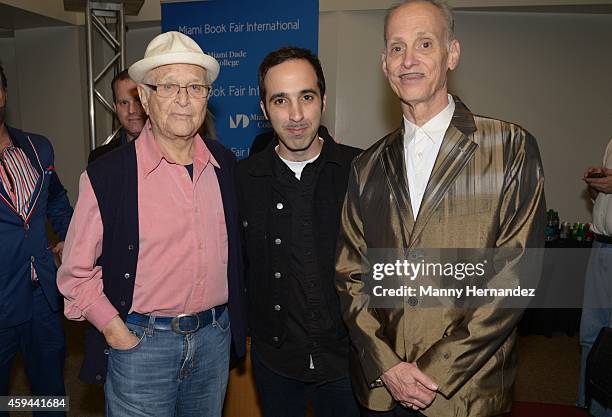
<point>290,195</point>
<point>30,194</point>
<point>447,178</point>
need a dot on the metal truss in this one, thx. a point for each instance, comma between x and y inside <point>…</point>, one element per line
<point>100,17</point>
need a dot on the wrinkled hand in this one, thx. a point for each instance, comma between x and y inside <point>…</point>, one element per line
<point>118,336</point>
<point>600,185</point>
<point>58,249</point>
<point>409,386</point>
<point>591,170</point>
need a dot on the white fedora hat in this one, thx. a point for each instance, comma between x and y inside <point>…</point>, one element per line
<point>173,48</point>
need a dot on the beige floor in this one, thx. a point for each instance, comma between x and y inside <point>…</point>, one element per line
<point>548,372</point>
<point>85,400</point>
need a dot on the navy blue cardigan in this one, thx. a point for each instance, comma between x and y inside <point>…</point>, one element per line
<point>114,180</point>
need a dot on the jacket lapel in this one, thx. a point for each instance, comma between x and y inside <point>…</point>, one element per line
<point>28,148</point>
<point>24,143</point>
<point>455,152</point>
<point>4,196</point>
<point>394,165</point>
<point>6,199</point>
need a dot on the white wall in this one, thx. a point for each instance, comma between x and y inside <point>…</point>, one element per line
<point>548,72</point>
<point>137,40</point>
<point>51,92</point>
<point>365,107</point>
<point>328,47</point>
<point>553,75</point>
<point>8,61</point>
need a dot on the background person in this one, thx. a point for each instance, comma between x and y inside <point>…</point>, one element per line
<point>597,310</point>
<point>129,112</point>
<point>30,194</point>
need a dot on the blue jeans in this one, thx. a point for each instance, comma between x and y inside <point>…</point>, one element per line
<point>169,374</point>
<point>41,342</point>
<point>285,397</point>
<point>596,313</point>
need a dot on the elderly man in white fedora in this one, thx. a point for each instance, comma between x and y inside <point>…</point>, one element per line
<point>152,258</point>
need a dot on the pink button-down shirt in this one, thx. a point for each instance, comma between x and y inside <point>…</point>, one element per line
<point>182,258</point>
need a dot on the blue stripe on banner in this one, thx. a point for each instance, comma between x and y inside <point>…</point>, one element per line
<point>239,34</point>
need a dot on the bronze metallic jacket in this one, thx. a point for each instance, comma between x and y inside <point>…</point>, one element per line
<point>486,190</point>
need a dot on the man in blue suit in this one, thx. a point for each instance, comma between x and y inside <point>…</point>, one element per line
<point>30,193</point>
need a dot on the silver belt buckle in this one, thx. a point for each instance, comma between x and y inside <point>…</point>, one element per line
<point>176,323</point>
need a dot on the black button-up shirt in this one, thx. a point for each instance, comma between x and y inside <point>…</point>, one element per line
<point>311,351</point>
<point>290,229</point>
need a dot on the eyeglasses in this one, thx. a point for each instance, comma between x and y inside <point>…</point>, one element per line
<point>197,91</point>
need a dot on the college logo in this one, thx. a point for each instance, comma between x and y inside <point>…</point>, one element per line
<point>239,120</point>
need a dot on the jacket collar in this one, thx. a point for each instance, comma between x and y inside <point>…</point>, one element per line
<point>264,161</point>
<point>456,150</point>
<point>22,141</point>
<point>17,137</point>
<point>462,120</point>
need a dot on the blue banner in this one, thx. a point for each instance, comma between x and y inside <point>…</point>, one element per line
<point>239,34</point>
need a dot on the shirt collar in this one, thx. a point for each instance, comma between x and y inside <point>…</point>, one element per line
<point>435,128</point>
<point>265,158</point>
<point>306,162</point>
<point>150,155</point>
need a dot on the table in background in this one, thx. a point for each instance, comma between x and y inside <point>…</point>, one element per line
<point>548,321</point>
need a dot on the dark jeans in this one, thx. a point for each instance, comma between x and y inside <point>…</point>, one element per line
<point>41,343</point>
<point>285,397</point>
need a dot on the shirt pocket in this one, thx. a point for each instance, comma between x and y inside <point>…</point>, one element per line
<point>254,227</point>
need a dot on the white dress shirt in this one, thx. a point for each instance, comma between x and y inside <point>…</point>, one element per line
<point>602,211</point>
<point>421,147</point>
